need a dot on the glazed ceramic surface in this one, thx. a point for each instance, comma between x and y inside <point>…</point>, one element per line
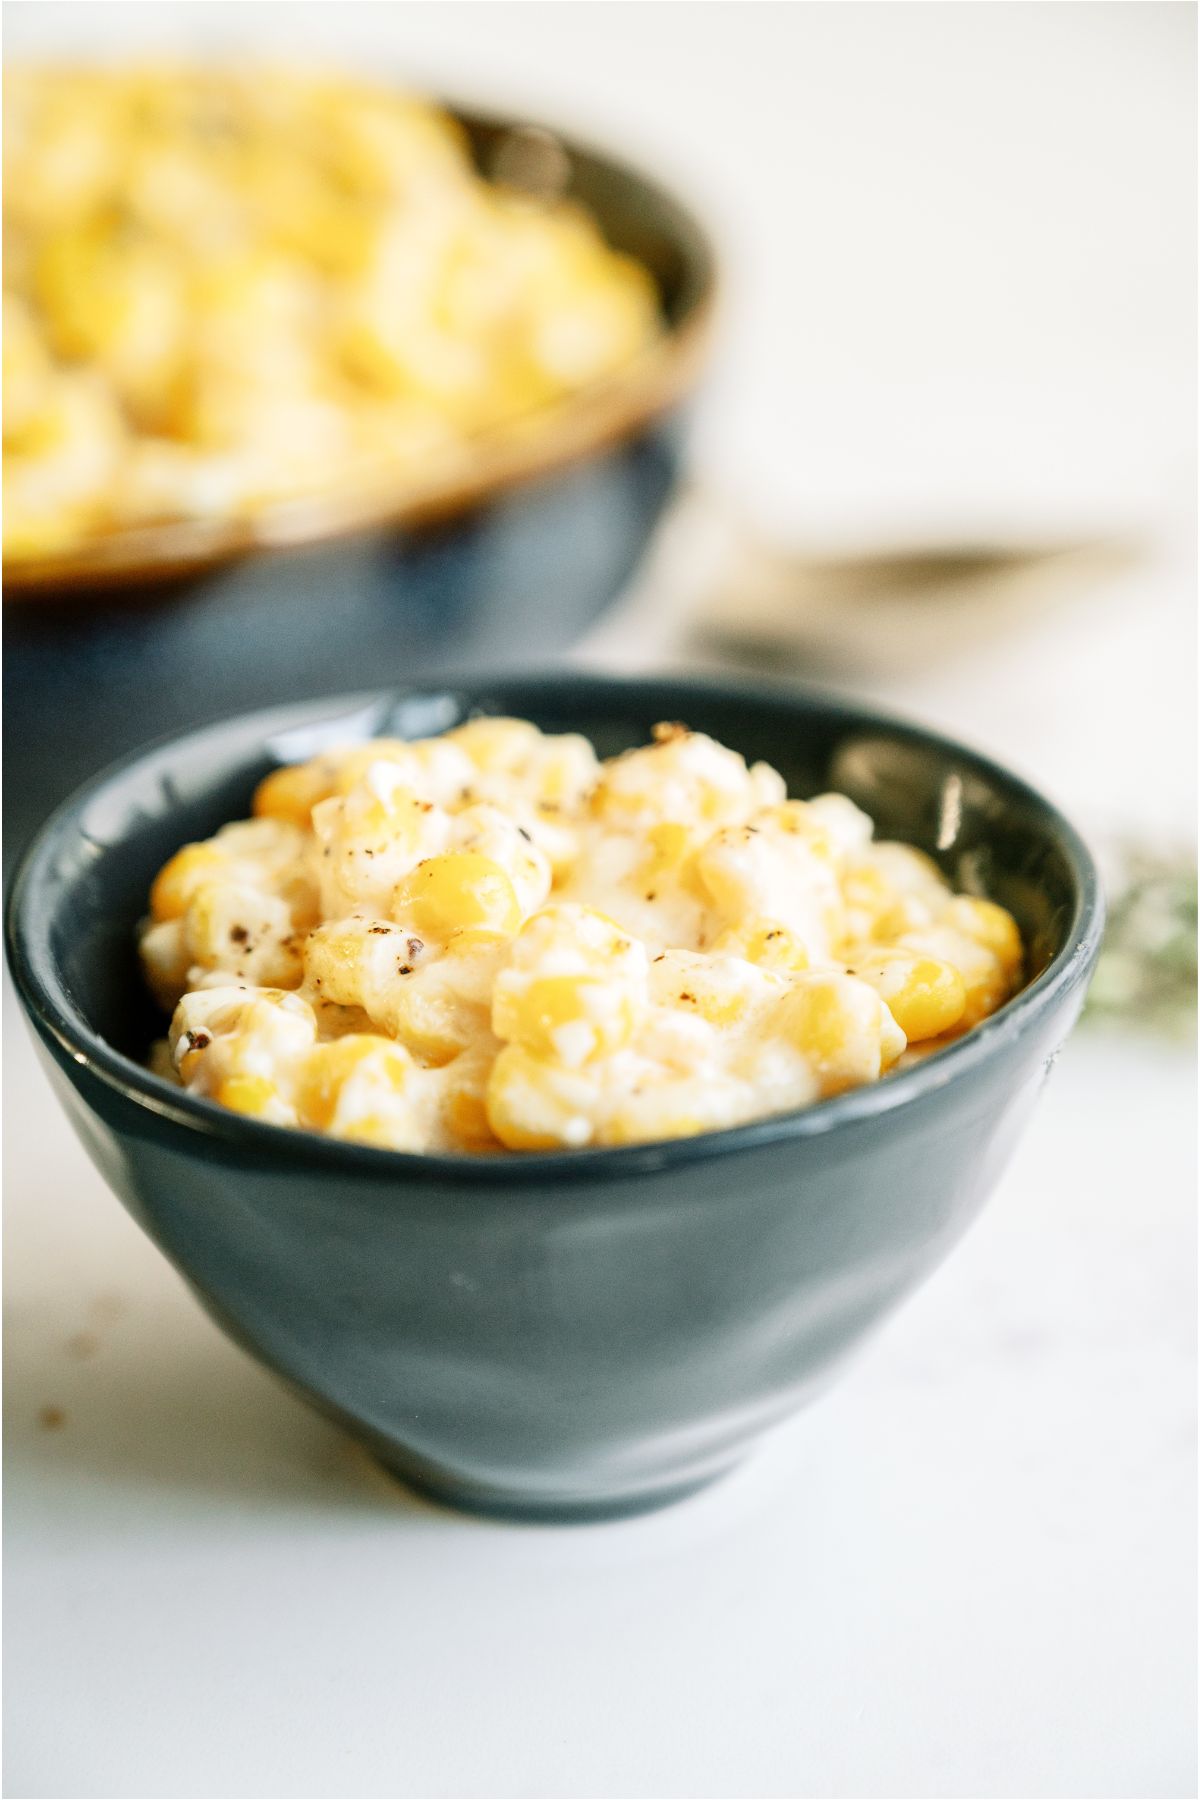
<point>573,1334</point>
<point>179,624</point>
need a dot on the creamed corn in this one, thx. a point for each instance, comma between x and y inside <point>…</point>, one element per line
<point>224,290</point>
<point>493,940</point>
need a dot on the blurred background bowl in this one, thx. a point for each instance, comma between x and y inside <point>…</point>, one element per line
<point>156,629</point>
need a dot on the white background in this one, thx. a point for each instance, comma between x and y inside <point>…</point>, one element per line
<point>960,302</point>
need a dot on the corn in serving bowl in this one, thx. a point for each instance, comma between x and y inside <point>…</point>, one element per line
<point>226,289</point>
<point>492,939</point>
<point>429,554</point>
<point>581,1330</point>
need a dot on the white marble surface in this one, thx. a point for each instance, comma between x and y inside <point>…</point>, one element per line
<point>969,1570</point>
<point>960,303</point>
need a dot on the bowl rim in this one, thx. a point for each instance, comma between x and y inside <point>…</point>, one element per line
<point>54,1013</point>
<point>597,418</point>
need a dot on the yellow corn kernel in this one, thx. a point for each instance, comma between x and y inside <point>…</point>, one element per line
<point>352,765</point>
<point>497,743</point>
<point>797,819</point>
<point>537,1105</point>
<point>721,1006</point>
<point>509,1130</point>
<point>384,811</point>
<point>444,1007</point>
<point>520,1109</point>
<point>249,1094</point>
<point>166,959</point>
<point>467,1118</point>
<point>81,291</point>
<point>669,844</point>
<point>718,989</point>
<point>292,792</point>
<point>672,848</point>
<point>638,1125</point>
<point>764,942</point>
<point>989,925</point>
<point>843,1029</point>
<point>924,995</point>
<point>571,1019</point>
<point>369,358</point>
<point>623,808</point>
<point>597,931</point>
<point>384,1131</point>
<point>988,986</point>
<point>328,1068</point>
<point>893,890</point>
<point>177,882</point>
<point>239,928</point>
<point>475,938</point>
<point>450,893</point>
<point>674,1107</point>
<point>332,233</point>
<point>434,1029</point>
<point>984,998</point>
<point>823,1024</point>
<point>987,980</point>
<point>571,939</point>
<point>566,769</point>
<point>334,957</point>
<point>875,905</point>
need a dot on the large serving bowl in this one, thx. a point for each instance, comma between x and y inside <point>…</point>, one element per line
<point>566,1334</point>
<point>513,552</point>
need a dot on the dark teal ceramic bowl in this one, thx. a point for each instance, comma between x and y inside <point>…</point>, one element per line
<point>572,1334</point>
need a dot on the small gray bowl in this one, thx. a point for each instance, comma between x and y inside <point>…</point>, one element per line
<point>566,1335</point>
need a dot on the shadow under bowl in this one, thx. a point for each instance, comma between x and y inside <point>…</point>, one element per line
<point>576,1334</point>
<point>514,552</point>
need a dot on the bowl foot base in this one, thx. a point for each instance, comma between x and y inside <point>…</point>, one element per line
<point>532,1511</point>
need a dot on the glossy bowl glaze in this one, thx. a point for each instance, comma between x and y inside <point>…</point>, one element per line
<point>165,627</point>
<point>574,1334</point>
